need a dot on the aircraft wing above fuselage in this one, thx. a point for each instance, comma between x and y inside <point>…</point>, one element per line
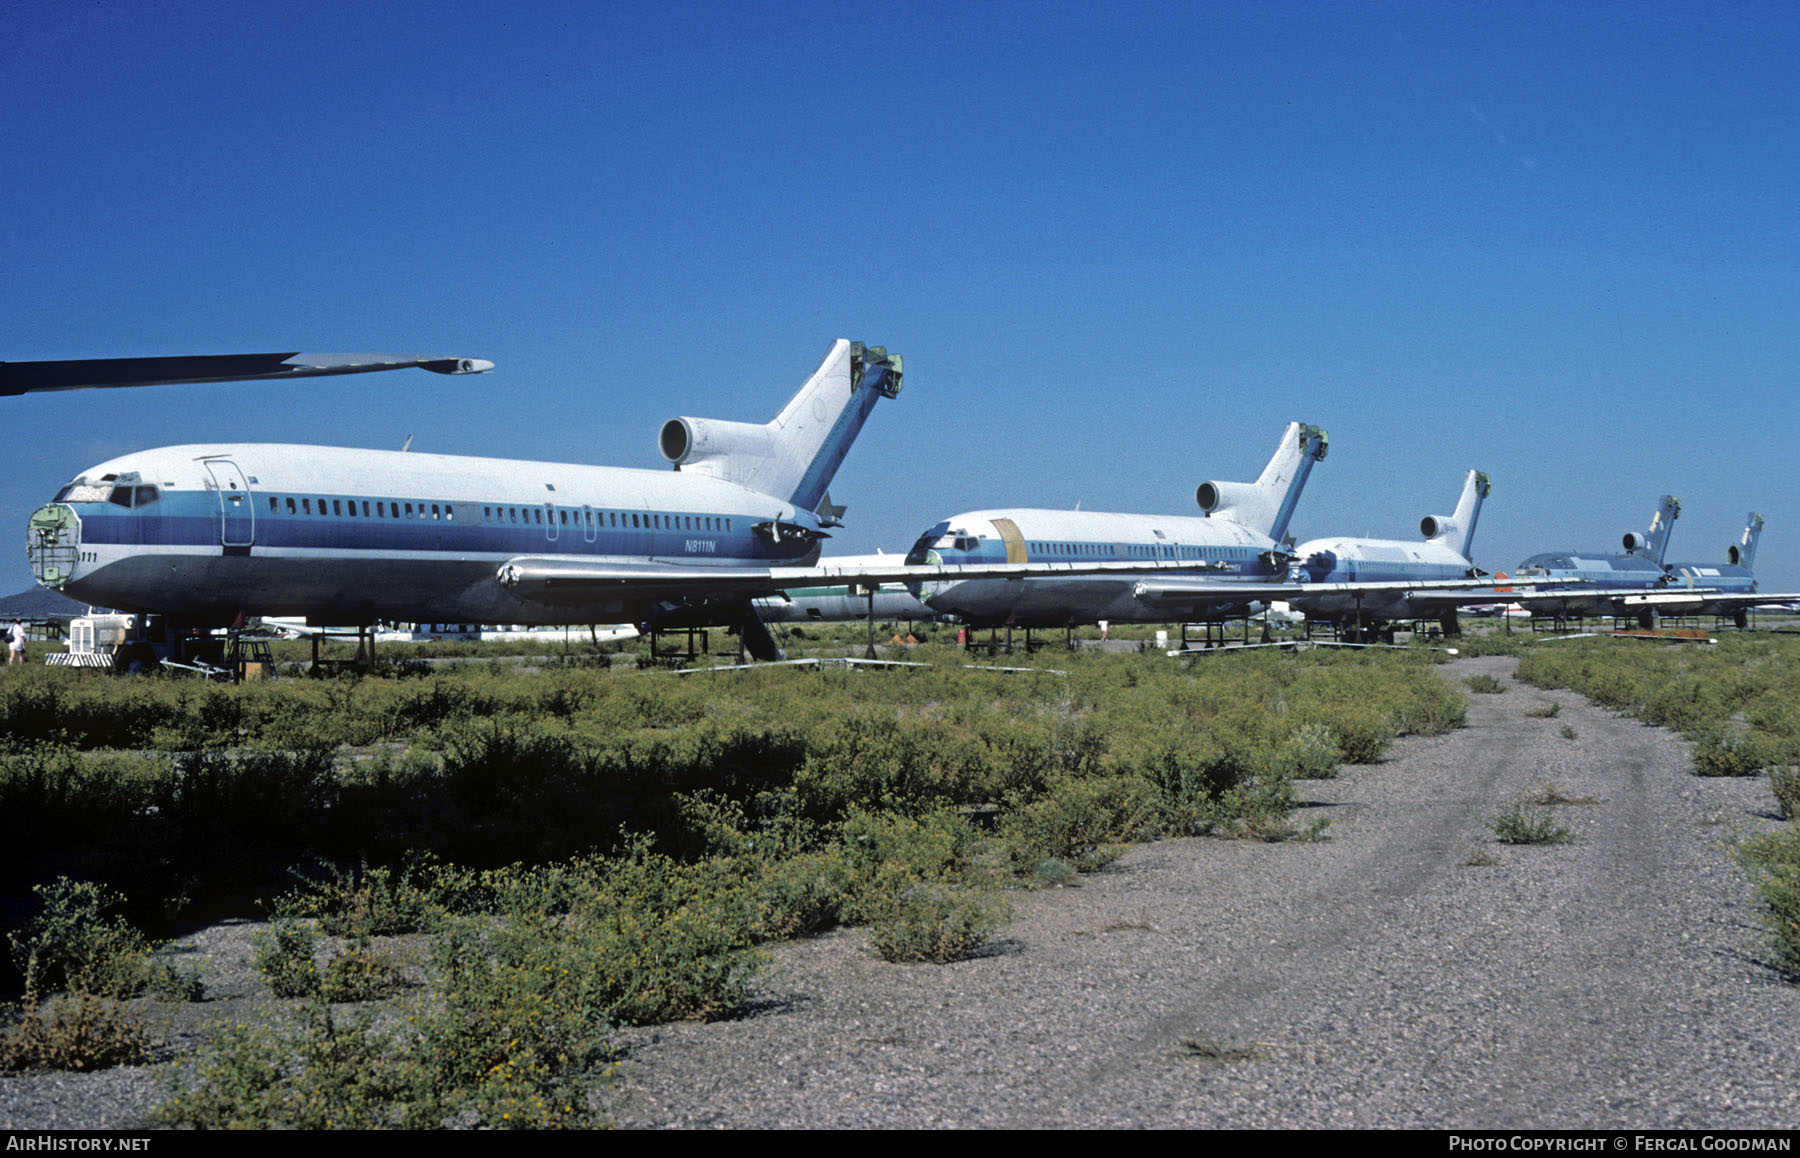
<point>104,373</point>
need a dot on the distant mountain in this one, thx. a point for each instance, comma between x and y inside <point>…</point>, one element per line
<point>40,603</point>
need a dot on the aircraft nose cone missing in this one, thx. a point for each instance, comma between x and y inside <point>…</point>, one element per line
<point>53,544</point>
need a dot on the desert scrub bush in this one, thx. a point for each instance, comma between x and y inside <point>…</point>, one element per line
<point>1520,824</point>
<point>1727,751</point>
<point>1773,862</point>
<point>1483,684</point>
<point>74,1031</point>
<point>360,973</point>
<point>1085,823</point>
<point>324,1070</point>
<point>1784,781</point>
<point>885,854</point>
<point>74,945</point>
<point>1309,753</point>
<point>658,939</point>
<point>931,922</point>
<point>1547,711</point>
<point>368,901</point>
<point>285,955</point>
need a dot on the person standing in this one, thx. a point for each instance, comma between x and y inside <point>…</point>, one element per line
<point>15,650</point>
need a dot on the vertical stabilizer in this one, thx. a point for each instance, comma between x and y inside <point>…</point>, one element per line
<point>795,455</point>
<point>1266,505</point>
<point>1743,552</point>
<point>1654,543</point>
<point>1458,531</point>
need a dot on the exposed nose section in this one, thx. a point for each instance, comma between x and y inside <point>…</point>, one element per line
<point>53,544</point>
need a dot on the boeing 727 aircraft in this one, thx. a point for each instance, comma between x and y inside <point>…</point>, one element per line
<point>1443,556</point>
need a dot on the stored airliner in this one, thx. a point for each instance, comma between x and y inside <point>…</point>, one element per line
<point>1443,556</point>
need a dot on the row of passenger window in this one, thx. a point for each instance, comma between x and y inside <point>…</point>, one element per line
<point>446,512</point>
<point>1133,551</point>
<point>346,508</point>
<point>588,517</point>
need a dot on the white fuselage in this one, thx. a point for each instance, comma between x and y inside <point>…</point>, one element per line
<point>208,531</point>
<point>1229,550</point>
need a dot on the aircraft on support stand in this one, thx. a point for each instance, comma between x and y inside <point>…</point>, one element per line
<point>1443,556</point>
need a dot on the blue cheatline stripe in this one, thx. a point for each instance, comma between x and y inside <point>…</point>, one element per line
<point>192,520</point>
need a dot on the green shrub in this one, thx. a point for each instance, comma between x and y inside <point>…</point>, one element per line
<point>73,945</point>
<point>285,955</point>
<point>934,923</point>
<point>360,974</point>
<point>1086,823</point>
<point>1520,824</point>
<point>368,901</point>
<point>74,1031</point>
<point>1485,685</point>
<point>1727,752</point>
<point>800,894</point>
<point>1309,753</point>
<point>1054,872</point>
<point>1784,781</point>
<point>1773,861</point>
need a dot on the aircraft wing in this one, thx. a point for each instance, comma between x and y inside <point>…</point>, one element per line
<point>564,581</point>
<point>1434,593</point>
<point>96,373</point>
<point>1685,601</point>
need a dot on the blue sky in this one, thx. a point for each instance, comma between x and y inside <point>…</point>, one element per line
<point>1119,245</point>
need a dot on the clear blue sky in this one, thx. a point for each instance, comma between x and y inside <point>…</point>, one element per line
<point>1118,244</point>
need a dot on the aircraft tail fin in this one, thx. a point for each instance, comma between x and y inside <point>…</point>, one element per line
<point>1743,552</point>
<point>1655,542</point>
<point>795,455</point>
<point>1458,531</point>
<point>1267,505</point>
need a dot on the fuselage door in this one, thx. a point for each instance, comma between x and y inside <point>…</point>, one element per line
<point>1015,542</point>
<point>237,514</point>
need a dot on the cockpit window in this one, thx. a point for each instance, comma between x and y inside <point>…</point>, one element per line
<point>130,496</point>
